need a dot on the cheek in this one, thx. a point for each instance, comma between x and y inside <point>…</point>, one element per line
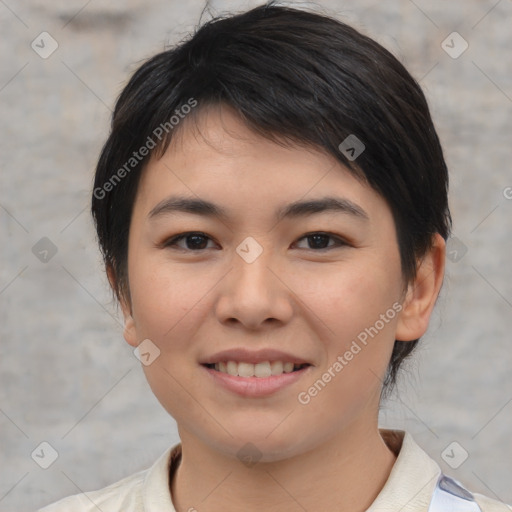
<point>347,298</point>
<point>166,298</point>
<point>169,305</point>
<point>355,318</point>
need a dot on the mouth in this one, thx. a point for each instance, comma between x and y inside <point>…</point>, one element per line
<point>255,380</point>
<point>261,370</point>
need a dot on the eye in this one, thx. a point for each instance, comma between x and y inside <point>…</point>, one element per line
<point>197,241</point>
<point>194,241</point>
<point>318,241</point>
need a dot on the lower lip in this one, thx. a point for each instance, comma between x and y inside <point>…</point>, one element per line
<point>255,386</point>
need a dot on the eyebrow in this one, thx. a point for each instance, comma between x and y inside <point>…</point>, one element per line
<point>179,204</point>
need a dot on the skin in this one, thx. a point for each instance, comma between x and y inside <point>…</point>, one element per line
<point>295,297</point>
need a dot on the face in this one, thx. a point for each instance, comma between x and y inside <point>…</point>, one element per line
<point>304,287</point>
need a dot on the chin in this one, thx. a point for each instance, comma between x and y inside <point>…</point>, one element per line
<point>264,442</point>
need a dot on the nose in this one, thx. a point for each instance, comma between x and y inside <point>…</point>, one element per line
<point>254,293</point>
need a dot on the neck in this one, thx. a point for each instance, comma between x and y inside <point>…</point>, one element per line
<point>345,473</point>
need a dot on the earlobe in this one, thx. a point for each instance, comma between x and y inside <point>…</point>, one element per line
<point>129,331</point>
<point>422,293</point>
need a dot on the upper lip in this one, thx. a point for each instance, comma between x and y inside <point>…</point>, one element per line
<point>253,356</point>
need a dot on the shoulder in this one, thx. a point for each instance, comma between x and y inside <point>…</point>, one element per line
<point>134,493</point>
<point>419,482</point>
<point>126,495</point>
<point>450,494</point>
<point>490,505</point>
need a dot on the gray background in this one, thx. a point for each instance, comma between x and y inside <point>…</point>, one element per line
<point>68,377</point>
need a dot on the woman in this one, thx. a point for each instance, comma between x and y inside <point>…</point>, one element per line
<point>272,209</point>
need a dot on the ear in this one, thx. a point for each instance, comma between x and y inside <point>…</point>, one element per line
<point>422,293</point>
<point>130,330</point>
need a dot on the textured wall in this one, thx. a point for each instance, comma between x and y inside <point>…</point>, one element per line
<point>68,377</point>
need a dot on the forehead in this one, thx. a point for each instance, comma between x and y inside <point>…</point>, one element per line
<point>218,158</point>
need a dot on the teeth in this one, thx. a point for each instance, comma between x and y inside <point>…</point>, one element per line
<point>288,367</point>
<point>262,370</point>
<point>276,367</point>
<point>245,369</point>
<point>231,368</point>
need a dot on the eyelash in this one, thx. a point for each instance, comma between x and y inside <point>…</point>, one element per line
<point>173,240</point>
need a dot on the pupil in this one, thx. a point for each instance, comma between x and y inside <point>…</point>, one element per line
<point>195,245</point>
<point>316,238</point>
<point>319,241</point>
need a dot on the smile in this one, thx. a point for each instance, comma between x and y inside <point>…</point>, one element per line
<point>255,380</point>
<point>260,370</point>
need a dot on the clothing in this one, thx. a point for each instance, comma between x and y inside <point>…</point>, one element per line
<point>409,487</point>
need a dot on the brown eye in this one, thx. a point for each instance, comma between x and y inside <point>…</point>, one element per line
<point>193,241</point>
<point>320,241</point>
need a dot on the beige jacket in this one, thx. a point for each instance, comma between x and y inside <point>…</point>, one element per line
<point>409,488</point>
